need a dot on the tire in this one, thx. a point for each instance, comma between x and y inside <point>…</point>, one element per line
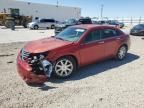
<point>52,26</point>
<point>36,27</point>
<point>142,34</point>
<point>9,24</point>
<point>25,25</point>
<point>64,67</point>
<point>121,53</point>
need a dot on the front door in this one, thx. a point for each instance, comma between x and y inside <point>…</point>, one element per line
<point>92,49</point>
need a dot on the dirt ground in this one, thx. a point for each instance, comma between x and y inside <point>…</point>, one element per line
<point>21,34</point>
<point>108,84</point>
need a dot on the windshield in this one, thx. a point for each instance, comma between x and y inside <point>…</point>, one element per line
<point>71,34</point>
<point>140,26</point>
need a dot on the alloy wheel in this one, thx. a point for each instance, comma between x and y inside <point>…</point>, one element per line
<point>64,68</point>
<point>122,52</point>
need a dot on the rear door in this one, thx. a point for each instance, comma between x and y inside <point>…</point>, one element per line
<point>50,22</point>
<point>112,39</point>
<point>46,24</point>
<point>92,48</point>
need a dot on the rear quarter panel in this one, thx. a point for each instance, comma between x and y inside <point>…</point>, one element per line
<point>125,40</point>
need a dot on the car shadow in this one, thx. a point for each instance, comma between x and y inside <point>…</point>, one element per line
<point>42,87</point>
<point>97,68</point>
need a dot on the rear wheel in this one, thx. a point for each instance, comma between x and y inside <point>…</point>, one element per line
<point>53,27</point>
<point>122,52</point>
<point>142,33</point>
<point>64,67</point>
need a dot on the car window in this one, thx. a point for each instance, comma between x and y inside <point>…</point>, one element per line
<point>85,21</point>
<point>142,25</point>
<point>42,20</point>
<point>107,33</point>
<point>93,36</point>
<point>49,20</point>
<point>71,34</point>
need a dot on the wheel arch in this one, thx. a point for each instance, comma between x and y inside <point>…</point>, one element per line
<point>35,26</point>
<point>124,44</point>
<point>70,55</point>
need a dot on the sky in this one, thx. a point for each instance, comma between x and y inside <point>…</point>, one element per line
<point>111,8</point>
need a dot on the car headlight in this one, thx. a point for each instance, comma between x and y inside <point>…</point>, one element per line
<point>34,58</point>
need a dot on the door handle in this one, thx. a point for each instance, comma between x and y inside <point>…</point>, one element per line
<point>102,42</point>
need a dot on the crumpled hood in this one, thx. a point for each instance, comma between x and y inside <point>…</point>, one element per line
<point>46,44</point>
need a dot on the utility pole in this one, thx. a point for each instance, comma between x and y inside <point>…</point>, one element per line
<point>102,6</point>
<point>57,3</point>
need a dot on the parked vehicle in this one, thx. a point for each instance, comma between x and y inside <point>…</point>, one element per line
<point>42,23</point>
<point>116,23</point>
<point>138,30</point>
<point>74,47</point>
<point>61,26</point>
<point>113,23</point>
<point>102,22</point>
<point>72,22</point>
<point>94,21</point>
<point>85,21</point>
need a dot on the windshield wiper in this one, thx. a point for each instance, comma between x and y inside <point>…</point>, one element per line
<point>57,37</point>
<point>60,38</point>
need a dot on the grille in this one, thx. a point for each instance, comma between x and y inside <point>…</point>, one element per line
<point>24,54</point>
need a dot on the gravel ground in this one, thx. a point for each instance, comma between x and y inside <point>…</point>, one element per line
<point>108,84</point>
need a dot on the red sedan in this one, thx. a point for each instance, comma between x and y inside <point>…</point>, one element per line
<point>74,47</point>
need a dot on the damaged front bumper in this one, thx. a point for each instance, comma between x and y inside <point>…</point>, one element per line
<point>27,74</point>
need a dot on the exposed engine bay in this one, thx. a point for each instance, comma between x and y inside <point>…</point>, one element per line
<point>38,62</point>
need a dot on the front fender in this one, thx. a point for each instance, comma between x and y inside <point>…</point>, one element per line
<point>58,55</point>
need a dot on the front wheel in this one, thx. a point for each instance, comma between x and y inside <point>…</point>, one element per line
<point>25,24</point>
<point>9,24</point>
<point>64,67</point>
<point>53,27</point>
<point>36,27</point>
<point>122,52</point>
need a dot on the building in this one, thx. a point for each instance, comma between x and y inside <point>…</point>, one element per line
<point>59,13</point>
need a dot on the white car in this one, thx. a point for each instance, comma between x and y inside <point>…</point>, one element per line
<point>42,23</point>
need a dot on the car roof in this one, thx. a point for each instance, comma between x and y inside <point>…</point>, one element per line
<point>91,26</point>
